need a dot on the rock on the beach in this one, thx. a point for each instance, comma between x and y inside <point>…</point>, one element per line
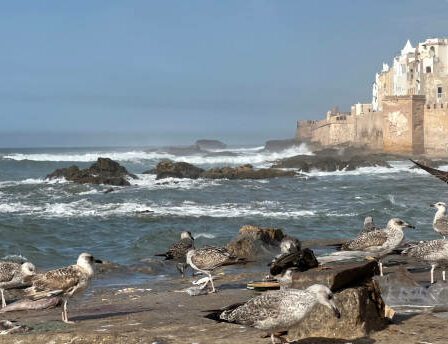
<point>103,171</point>
<point>338,276</point>
<point>362,311</point>
<point>253,240</point>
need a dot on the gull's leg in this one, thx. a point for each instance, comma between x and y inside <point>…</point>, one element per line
<point>380,263</point>
<point>181,268</point>
<point>432,273</point>
<point>211,281</point>
<point>3,298</point>
<point>272,338</point>
<point>443,275</point>
<point>66,313</point>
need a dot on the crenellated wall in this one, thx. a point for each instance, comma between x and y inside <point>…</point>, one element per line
<point>362,130</point>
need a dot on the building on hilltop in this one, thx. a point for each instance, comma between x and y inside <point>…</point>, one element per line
<point>409,109</point>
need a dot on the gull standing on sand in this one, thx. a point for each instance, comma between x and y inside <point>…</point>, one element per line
<point>14,275</point>
<point>440,222</point>
<point>210,258</point>
<point>178,251</point>
<point>277,310</point>
<point>432,252</point>
<point>379,243</point>
<point>67,281</point>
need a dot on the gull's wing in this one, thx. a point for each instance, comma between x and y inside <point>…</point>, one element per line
<point>366,240</point>
<point>442,175</point>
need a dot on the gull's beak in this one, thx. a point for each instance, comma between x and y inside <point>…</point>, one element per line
<point>432,205</point>
<point>409,226</point>
<point>98,261</point>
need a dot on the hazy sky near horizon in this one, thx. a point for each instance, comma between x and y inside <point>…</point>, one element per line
<point>170,71</point>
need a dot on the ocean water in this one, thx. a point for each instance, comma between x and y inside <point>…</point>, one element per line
<point>51,222</point>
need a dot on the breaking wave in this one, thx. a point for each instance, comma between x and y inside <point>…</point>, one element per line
<point>85,208</point>
<point>238,156</point>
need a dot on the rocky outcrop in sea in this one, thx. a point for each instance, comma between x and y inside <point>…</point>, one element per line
<point>103,171</point>
<point>171,169</point>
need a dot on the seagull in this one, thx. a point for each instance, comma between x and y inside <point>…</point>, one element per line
<point>379,242</point>
<point>277,310</point>
<point>290,244</point>
<point>178,251</point>
<point>210,258</point>
<point>432,252</point>
<point>369,226</point>
<point>67,281</point>
<point>290,256</point>
<point>14,275</point>
<point>440,222</point>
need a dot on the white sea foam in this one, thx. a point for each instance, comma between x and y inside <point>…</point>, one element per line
<point>246,156</point>
<point>31,181</point>
<point>85,208</point>
<point>149,181</point>
<point>204,235</point>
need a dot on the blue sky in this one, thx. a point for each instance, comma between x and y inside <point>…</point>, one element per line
<point>158,72</point>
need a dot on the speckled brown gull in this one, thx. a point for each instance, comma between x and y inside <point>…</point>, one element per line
<point>440,222</point>
<point>278,310</point>
<point>210,258</point>
<point>14,275</point>
<point>379,243</point>
<point>65,281</point>
<point>433,252</point>
<point>178,251</point>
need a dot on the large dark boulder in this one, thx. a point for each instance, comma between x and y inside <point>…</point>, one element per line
<point>103,171</point>
<point>171,169</point>
<point>254,240</point>
<point>210,144</point>
<point>362,311</point>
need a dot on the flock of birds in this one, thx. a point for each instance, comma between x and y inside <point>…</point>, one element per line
<point>272,311</point>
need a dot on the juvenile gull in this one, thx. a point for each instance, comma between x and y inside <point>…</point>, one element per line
<point>440,222</point>
<point>65,281</point>
<point>433,252</point>
<point>379,243</point>
<point>210,258</point>
<point>14,275</point>
<point>277,310</point>
<point>369,225</point>
<point>178,251</point>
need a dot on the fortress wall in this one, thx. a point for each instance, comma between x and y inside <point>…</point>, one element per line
<point>369,130</point>
<point>436,129</point>
<point>403,129</point>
